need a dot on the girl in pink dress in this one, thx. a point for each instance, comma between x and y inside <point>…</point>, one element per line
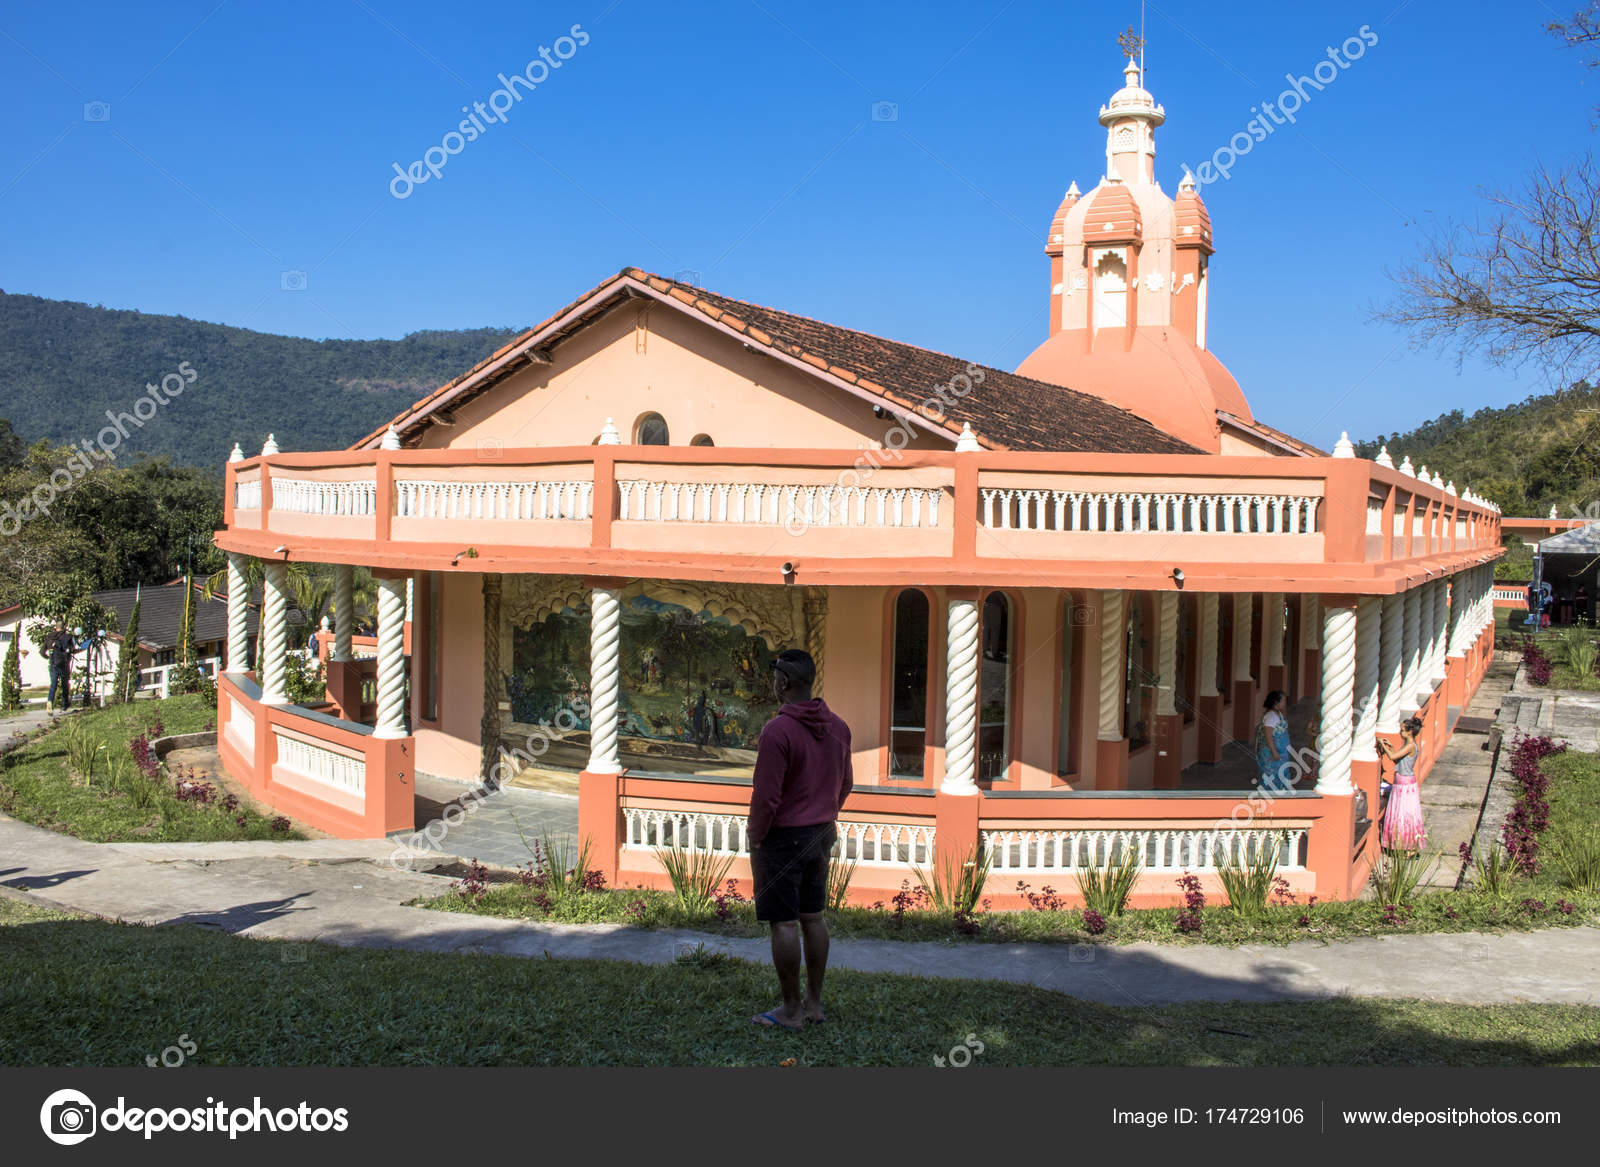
<point>1403,828</point>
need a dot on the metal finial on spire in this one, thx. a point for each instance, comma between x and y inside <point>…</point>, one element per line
<point>1131,43</point>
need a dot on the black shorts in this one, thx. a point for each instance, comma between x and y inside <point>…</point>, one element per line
<point>790,870</point>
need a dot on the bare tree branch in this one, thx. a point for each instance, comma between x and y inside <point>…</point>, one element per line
<point>1521,284</point>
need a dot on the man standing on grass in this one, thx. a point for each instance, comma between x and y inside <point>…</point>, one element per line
<point>59,647</point>
<point>802,778</point>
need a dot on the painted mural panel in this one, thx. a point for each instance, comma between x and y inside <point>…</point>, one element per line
<point>688,677</point>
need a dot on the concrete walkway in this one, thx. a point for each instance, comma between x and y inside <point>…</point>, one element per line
<point>1457,785</point>
<point>492,829</point>
<point>348,893</point>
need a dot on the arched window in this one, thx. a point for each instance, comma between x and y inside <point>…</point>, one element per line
<point>701,440</point>
<point>650,430</point>
<point>908,686</point>
<point>994,689</point>
<point>1138,716</point>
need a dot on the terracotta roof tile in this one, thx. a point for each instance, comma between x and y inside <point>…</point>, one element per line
<point>1005,410</point>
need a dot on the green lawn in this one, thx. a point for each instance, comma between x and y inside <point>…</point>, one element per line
<point>39,786</point>
<point>1540,901</point>
<point>85,992</point>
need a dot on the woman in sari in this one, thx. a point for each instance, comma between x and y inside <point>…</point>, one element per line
<point>1272,744</point>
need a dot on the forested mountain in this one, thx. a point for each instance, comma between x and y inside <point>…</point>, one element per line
<point>1541,452</point>
<point>64,364</point>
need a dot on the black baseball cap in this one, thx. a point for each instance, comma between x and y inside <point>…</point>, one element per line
<point>797,665</point>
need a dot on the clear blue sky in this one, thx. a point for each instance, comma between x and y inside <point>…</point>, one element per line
<point>736,139</point>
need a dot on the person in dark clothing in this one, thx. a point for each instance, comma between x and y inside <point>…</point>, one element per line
<point>802,778</point>
<point>1582,597</point>
<point>59,647</point>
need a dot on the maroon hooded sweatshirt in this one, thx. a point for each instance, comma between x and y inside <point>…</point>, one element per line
<point>802,769</point>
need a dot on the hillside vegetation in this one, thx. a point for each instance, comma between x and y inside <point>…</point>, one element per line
<point>1541,452</point>
<point>64,364</point>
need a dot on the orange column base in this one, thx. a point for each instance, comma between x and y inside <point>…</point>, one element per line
<point>1111,765</point>
<point>1365,775</point>
<point>955,830</point>
<point>1169,751</point>
<point>1455,681</point>
<point>1211,728</point>
<point>1329,854</point>
<point>600,821</point>
<point>344,688</point>
<point>1244,710</point>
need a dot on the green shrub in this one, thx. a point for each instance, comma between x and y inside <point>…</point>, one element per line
<point>1577,857</point>
<point>695,875</point>
<point>1106,889</point>
<point>1397,875</point>
<point>11,679</point>
<point>1492,876</point>
<point>955,886</point>
<point>1248,884</point>
<point>840,871</point>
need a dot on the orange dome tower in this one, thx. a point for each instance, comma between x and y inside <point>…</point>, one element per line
<point>1129,270</point>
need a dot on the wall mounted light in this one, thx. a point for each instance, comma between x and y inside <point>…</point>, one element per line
<point>1177,577</point>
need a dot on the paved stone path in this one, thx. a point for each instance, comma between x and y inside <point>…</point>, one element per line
<point>348,893</point>
<point>1454,791</point>
<point>492,829</point>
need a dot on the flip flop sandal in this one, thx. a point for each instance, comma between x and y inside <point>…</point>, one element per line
<point>768,1020</point>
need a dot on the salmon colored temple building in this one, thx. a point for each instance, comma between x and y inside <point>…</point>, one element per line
<point>1048,602</point>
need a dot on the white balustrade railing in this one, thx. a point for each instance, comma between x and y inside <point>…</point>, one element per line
<point>247,495</point>
<point>1512,593</point>
<point>417,498</point>
<point>1164,849</point>
<point>310,496</point>
<point>1025,509</point>
<point>347,772</point>
<point>779,504</point>
<point>868,844</point>
<point>158,679</point>
<point>1374,517</point>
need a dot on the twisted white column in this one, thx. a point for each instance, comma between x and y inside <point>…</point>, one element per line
<point>605,678</point>
<point>391,658</point>
<point>1391,668</point>
<point>274,634</point>
<point>1208,644</point>
<point>1274,615</point>
<point>961,699</point>
<point>1243,666</point>
<point>1411,653</point>
<point>1368,651</point>
<point>1113,668</point>
<point>1486,597</point>
<point>1338,700</point>
<point>1441,617</point>
<point>238,615</point>
<point>343,610</point>
<point>1167,655</point>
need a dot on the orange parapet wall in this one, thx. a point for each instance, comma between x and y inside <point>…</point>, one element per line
<point>332,775</point>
